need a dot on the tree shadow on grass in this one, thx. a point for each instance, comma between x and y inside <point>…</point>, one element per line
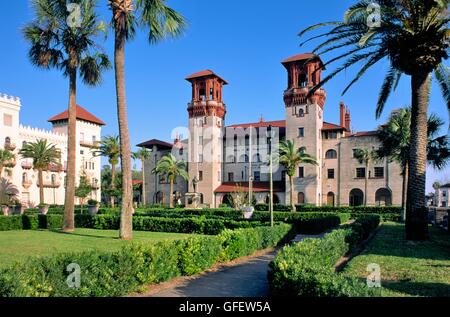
<point>418,288</point>
<point>83,235</point>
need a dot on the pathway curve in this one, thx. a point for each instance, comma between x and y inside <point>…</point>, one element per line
<point>245,279</point>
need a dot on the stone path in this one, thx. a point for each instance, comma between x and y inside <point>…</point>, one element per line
<point>246,279</point>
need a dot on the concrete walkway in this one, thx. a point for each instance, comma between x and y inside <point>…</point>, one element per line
<point>245,279</point>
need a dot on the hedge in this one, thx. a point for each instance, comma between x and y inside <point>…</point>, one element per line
<point>105,274</point>
<point>308,268</point>
<point>30,222</point>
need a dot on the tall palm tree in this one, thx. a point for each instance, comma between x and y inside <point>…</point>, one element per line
<point>161,22</point>
<point>413,37</point>
<point>110,148</point>
<point>43,155</point>
<point>291,158</point>
<point>5,158</point>
<point>143,154</point>
<point>395,139</point>
<point>365,156</point>
<point>171,168</point>
<point>71,48</point>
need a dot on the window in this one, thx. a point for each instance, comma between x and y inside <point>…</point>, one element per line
<point>301,132</point>
<point>360,172</point>
<point>379,172</point>
<point>301,172</point>
<point>94,139</point>
<point>81,136</point>
<point>331,154</point>
<point>329,135</point>
<point>331,173</point>
<point>231,177</point>
<point>257,176</point>
<point>301,113</point>
<point>81,152</point>
<point>200,158</point>
<point>302,80</point>
<point>7,120</point>
<point>200,140</point>
<point>200,176</point>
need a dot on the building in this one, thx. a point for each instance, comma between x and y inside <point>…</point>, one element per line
<point>441,197</point>
<point>25,180</point>
<point>222,157</point>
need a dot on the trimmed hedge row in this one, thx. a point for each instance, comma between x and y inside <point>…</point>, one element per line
<point>105,274</point>
<point>345,209</point>
<point>308,268</point>
<point>30,222</point>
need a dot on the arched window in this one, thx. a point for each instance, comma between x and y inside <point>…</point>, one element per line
<point>383,197</point>
<point>24,177</point>
<point>301,198</point>
<point>244,158</point>
<point>330,199</point>
<point>301,113</point>
<point>7,141</point>
<point>53,178</point>
<point>331,154</point>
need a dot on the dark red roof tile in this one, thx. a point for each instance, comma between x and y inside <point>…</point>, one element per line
<point>82,114</point>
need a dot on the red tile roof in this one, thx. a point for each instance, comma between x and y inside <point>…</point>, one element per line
<point>137,182</point>
<point>364,133</point>
<point>331,126</point>
<point>205,73</point>
<point>301,57</point>
<point>261,124</point>
<point>257,187</point>
<point>82,114</point>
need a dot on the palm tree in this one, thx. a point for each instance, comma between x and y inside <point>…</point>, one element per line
<point>413,36</point>
<point>5,158</point>
<point>110,148</point>
<point>43,155</point>
<point>395,139</point>
<point>171,168</point>
<point>364,156</point>
<point>291,158</point>
<point>143,154</point>
<point>55,43</point>
<point>162,22</point>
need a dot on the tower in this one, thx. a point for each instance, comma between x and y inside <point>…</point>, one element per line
<point>304,122</point>
<point>206,123</point>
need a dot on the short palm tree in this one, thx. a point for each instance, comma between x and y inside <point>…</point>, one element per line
<point>395,139</point>
<point>365,156</point>
<point>73,50</point>
<point>43,155</point>
<point>161,22</point>
<point>413,36</point>
<point>110,148</point>
<point>171,168</point>
<point>291,158</point>
<point>143,154</point>
<point>5,158</point>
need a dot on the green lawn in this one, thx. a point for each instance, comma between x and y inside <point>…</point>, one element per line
<point>407,268</point>
<point>18,245</point>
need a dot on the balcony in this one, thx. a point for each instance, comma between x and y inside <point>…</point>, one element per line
<point>26,183</point>
<point>11,163</point>
<point>55,168</point>
<point>50,184</point>
<point>10,146</point>
<point>90,144</point>
<point>27,165</point>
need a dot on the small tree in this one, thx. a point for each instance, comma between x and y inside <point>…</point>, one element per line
<point>83,190</point>
<point>6,157</point>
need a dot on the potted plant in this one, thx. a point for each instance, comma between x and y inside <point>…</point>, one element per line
<point>43,209</point>
<point>248,212</point>
<point>93,206</point>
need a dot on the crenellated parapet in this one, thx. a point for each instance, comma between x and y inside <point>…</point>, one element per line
<point>30,133</point>
<point>10,99</point>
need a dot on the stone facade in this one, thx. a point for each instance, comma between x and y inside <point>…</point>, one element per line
<point>225,158</point>
<point>24,179</point>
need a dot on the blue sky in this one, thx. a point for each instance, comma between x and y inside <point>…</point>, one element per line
<point>243,41</point>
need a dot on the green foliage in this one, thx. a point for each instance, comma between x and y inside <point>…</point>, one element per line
<point>110,274</point>
<point>307,268</point>
<point>30,222</point>
<point>84,188</point>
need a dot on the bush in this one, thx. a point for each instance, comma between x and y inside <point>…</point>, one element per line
<point>109,274</point>
<point>30,222</point>
<point>307,268</point>
<point>10,223</point>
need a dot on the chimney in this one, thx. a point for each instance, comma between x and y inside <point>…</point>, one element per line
<point>342,114</point>
<point>347,120</point>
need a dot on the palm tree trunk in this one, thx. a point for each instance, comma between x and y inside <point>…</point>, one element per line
<point>41,187</point>
<point>143,183</point>
<point>404,187</point>
<point>365,184</point>
<point>1,170</point>
<point>69,205</point>
<point>416,211</point>
<point>113,186</point>
<point>291,180</point>
<point>126,221</point>
<point>171,194</point>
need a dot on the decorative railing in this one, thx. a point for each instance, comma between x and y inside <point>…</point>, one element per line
<point>11,163</point>
<point>55,168</point>
<point>10,146</point>
<point>92,145</point>
<point>27,184</point>
<point>27,165</point>
<point>50,184</point>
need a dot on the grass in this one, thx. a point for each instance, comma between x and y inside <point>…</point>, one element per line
<point>18,245</point>
<point>407,268</point>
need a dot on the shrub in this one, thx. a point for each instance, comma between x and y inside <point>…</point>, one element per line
<point>30,222</point>
<point>307,268</point>
<point>10,223</point>
<point>106,274</point>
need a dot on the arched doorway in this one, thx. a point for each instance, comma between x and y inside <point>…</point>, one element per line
<point>383,197</point>
<point>227,200</point>
<point>276,200</point>
<point>356,197</point>
<point>301,198</point>
<point>330,199</point>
